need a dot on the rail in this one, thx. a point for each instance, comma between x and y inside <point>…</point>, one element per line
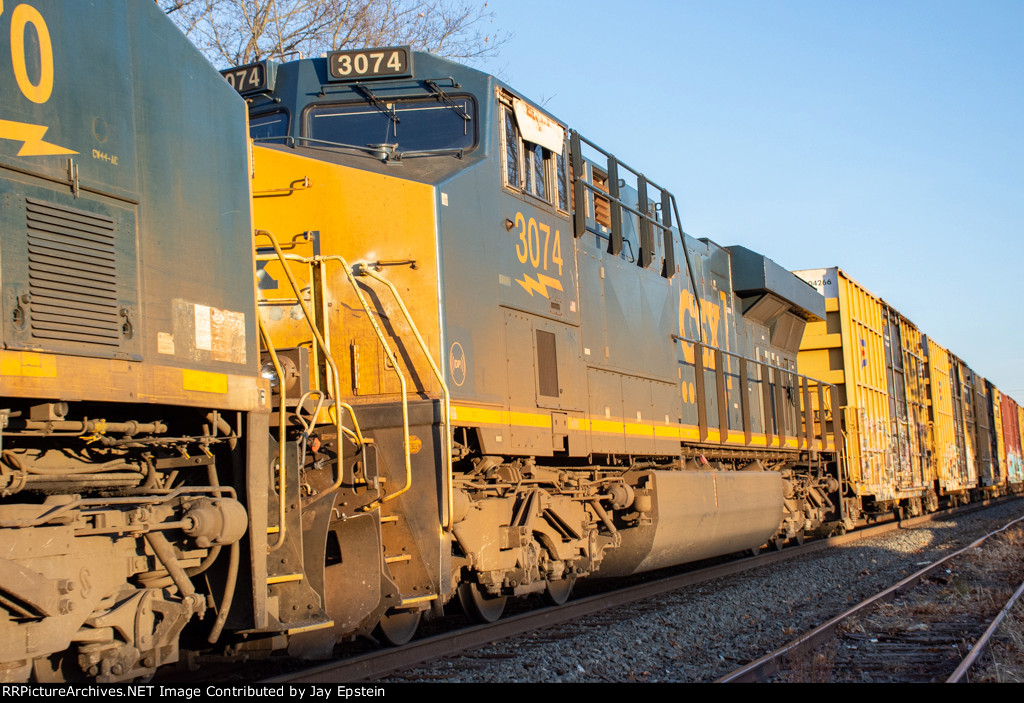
<point>281,475</point>
<point>780,425</point>
<point>773,663</point>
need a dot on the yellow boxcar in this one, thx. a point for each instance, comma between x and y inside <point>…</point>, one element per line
<point>876,357</point>
<point>954,473</point>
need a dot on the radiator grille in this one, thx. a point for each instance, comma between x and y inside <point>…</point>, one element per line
<point>72,275</point>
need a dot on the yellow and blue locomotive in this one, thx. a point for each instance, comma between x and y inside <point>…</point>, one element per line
<point>418,343</point>
<point>549,378</point>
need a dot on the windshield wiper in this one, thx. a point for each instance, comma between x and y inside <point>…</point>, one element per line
<point>443,96</point>
<point>368,94</point>
<point>399,155</point>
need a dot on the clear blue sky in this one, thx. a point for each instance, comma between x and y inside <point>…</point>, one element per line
<point>884,137</point>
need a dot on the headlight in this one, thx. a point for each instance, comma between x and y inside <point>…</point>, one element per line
<point>270,373</point>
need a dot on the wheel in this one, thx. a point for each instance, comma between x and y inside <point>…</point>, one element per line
<point>778,543</point>
<point>558,592</point>
<point>799,538</point>
<point>480,606</point>
<point>397,627</point>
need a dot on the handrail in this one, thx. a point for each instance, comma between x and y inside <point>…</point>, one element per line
<point>394,364</point>
<point>446,420</point>
<point>380,336</point>
<point>323,346</point>
<point>281,480</point>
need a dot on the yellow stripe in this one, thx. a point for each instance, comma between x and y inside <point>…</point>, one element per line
<point>606,426</point>
<point>204,381</point>
<point>462,414</point>
<point>639,429</point>
<point>666,432</point>
<point>689,432</point>
<point>465,415</point>
<point>28,364</point>
<point>529,419</point>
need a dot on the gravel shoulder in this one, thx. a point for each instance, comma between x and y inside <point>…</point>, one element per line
<point>699,633</point>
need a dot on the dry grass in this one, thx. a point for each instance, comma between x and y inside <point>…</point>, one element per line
<point>816,668</point>
<point>1004,660</point>
<point>879,644</point>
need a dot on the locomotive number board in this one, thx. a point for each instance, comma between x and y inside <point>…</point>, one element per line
<point>362,64</point>
<point>251,78</point>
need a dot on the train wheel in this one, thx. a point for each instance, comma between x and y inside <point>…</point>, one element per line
<point>799,538</point>
<point>558,592</point>
<point>480,606</point>
<point>398,626</point>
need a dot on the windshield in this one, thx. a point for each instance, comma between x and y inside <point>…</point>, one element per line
<point>422,125</point>
<point>268,126</point>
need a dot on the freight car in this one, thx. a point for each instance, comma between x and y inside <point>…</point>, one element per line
<point>920,426</point>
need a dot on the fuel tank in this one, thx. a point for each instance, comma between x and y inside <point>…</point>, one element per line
<point>696,515</point>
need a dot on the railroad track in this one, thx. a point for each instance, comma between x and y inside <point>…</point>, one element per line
<point>377,664</point>
<point>932,626</point>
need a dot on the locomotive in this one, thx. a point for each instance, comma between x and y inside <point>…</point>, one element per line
<point>409,341</point>
<point>550,379</point>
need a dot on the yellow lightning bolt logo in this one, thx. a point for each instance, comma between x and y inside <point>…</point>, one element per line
<point>31,136</point>
<point>540,285</point>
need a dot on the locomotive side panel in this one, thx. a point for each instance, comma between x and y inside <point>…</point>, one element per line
<point>128,375</point>
<point>95,188</point>
<point>592,384</point>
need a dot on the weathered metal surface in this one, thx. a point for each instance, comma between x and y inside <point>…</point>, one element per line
<point>698,515</point>
<point>876,358</point>
<point>108,221</point>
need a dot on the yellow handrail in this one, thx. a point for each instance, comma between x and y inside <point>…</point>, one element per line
<point>394,364</point>
<point>346,267</point>
<point>326,352</point>
<point>446,420</point>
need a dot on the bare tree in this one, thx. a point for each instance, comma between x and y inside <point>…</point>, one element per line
<point>234,32</point>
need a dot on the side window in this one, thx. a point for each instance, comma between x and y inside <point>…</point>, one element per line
<point>535,161</point>
<point>270,126</point>
<point>512,170</point>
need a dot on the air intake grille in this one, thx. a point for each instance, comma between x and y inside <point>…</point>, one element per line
<point>72,275</point>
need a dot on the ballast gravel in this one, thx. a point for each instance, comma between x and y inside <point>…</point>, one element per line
<point>702,632</point>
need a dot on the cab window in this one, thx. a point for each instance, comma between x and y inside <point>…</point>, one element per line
<point>533,168</point>
<point>412,125</point>
<point>273,125</point>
